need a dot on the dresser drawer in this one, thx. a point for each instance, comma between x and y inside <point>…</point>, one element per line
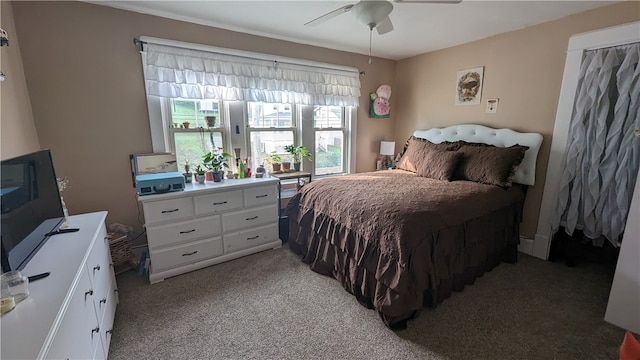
<point>171,209</point>
<point>182,232</point>
<point>217,202</point>
<point>250,238</point>
<point>249,218</point>
<point>187,254</point>
<point>99,268</point>
<point>75,337</point>
<point>260,196</point>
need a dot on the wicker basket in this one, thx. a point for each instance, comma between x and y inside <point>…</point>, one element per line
<point>121,253</point>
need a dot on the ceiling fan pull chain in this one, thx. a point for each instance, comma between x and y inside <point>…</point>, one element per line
<point>370,32</point>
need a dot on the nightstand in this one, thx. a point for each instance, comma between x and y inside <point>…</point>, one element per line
<point>287,179</point>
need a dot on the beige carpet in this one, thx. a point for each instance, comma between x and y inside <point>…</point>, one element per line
<point>272,306</point>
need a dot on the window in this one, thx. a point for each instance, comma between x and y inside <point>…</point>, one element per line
<point>271,128</point>
<point>196,128</point>
<point>258,130</point>
<point>329,127</point>
<point>254,115</point>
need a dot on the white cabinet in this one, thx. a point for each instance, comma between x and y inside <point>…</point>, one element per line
<point>70,313</point>
<point>210,223</point>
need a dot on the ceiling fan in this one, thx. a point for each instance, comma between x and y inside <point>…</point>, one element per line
<point>374,14</point>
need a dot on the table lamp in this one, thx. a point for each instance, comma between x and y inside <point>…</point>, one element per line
<point>387,149</point>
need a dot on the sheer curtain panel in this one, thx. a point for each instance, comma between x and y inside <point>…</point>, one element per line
<point>603,151</point>
<point>177,72</point>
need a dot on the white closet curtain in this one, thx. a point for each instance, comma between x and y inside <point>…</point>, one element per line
<point>177,72</point>
<point>603,152</point>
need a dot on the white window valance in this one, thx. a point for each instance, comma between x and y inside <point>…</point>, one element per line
<point>181,72</point>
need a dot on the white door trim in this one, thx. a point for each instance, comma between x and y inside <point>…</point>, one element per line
<point>578,44</point>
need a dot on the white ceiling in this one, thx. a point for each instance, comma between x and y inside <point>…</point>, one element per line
<point>419,28</point>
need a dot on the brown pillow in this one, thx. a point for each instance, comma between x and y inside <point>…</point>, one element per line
<point>415,150</point>
<point>439,164</point>
<point>489,164</point>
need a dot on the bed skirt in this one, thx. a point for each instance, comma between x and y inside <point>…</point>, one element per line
<point>445,261</point>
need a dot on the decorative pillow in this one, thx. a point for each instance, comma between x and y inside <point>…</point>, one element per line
<point>489,164</point>
<point>439,164</point>
<point>415,150</point>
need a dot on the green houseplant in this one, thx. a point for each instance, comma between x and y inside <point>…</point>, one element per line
<point>275,160</point>
<point>216,162</point>
<point>187,171</point>
<point>200,171</point>
<point>298,153</point>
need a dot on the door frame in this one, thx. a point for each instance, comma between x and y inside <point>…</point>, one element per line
<point>578,44</point>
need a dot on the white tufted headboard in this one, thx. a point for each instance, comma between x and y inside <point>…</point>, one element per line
<point>526,173</point>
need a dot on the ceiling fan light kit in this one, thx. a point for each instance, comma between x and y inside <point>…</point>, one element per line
<point>371,13</point>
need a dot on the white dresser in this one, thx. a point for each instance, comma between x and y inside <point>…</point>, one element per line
<point>70,313</point>
<point>210,223</point>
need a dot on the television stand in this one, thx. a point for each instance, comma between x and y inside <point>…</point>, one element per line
<point>68,314</point>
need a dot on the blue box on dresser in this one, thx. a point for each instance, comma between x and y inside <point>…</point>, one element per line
<point>148,184</point>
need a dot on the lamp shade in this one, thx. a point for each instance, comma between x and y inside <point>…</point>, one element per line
<point>387,147</point>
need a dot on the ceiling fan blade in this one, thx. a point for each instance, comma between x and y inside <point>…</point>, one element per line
<point>428,1</point>
<point>385,26</point>
<point>329,15</point>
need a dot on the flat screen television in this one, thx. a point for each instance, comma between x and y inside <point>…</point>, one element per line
<point>30,207</point>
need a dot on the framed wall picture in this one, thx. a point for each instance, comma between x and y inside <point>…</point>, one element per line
<point>379,106</point>
<point>469,86</point>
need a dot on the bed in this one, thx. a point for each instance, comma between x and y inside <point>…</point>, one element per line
<point>403,239</point>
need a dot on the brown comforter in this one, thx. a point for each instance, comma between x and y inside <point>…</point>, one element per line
<point>398,241</point>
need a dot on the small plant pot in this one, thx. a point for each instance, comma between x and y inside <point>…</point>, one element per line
<point>186,124</point>
<point>217,176</point>
<point>187,178</point>
<point>208,176</point>
<point>211,121</point>
<point>200,179</point>
<point>296,166</point>
<point>276,167</point>
<point>286,166</point>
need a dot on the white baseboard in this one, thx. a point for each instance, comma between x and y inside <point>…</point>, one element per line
<point>526,245</point>
<point>541,247</point>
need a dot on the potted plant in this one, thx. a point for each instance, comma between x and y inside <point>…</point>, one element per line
<point>298,153</point>
<point>216,162</point>
<point>187,172</point>
<point>275,159</point>
<point>200,171</point>
<point>286,163</point>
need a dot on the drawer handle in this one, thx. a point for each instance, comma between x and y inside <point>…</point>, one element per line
<point>90,292</point>
<point>189,254</point>
<point>103,301</point>
<point>252,218</point>
<point>188,231</point>
<point>261,196</point>
<point>220,203</point>
<point>96,329</point>
<point>169,211</point>
<point>253,237</point>
<point>109,331</point>
<point>97,267</point>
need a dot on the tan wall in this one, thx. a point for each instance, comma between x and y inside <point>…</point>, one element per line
<point>522,68</point>
<point>17,129</point>
<point>85,80</point>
